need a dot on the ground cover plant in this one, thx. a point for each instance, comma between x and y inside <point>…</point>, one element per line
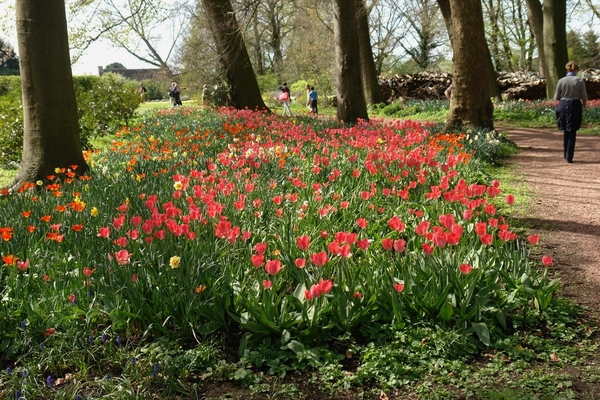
<point>529,113</point>
<point>373,254</point>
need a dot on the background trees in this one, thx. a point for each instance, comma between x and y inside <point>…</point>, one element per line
<point>294,40</point>
<point>149,30</point>
<point>9,62</point>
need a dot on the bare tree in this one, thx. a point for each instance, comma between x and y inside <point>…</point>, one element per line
<point>50,126</point>
<point>423,30</point>
<point>509,36</point>
<point>386,34</point>
<point>487,75</point>
<point>137,26</point>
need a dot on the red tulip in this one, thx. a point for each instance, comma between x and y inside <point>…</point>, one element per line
<point>399,245</point>
<point>303,242</point>
<point>257,260</point>
<point>319,259</point>
<point>387,244</point>
<point>533,239</point>
<point>300,262</point>
<point>465,268</point>
<point>547,261</point>
<point>273,267</point>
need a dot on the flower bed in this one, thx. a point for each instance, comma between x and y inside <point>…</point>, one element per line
<point>278,229</point>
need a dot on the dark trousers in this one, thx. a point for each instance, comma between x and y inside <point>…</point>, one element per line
<point>569,139</point>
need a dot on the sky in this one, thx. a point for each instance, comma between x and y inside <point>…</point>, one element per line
<point>101,54</point>
<point>98,54</point>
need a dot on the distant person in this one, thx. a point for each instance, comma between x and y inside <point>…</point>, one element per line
<point>205,95</point>
<point>312,95</point>
<point>572,96</point>
<point>308,97</point>
<point>448,92</point>
<point>175,95</point>
<point>284,97</point>
<point>142,93</point>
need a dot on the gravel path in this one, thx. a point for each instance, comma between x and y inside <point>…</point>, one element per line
<point>565,211</point>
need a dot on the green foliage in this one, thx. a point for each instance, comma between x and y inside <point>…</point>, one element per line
<point>584,48</point>
<point>430,110</point>
<point>267,82</point>
<point>523,112</point>
<point>155,90</point>
<point>115,65</point>
<point>104,105</point>
<point>489,147</point>
<point>11,125</point>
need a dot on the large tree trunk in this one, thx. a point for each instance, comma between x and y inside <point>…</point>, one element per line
<point>371,88</point>
<point>555,42</point>
<point>243,87</point>
<point>50,124</point>
<point>471,104</point>
<point>491,83</point>
<point>351,104</point>
<point>535,18</point>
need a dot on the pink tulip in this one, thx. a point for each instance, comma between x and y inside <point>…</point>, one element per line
<point>273,267</point>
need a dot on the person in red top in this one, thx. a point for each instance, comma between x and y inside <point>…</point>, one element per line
<point>572,96</point>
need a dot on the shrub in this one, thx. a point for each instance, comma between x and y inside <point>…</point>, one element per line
<point>104,104</point>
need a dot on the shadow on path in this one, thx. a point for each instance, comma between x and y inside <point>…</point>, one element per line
<point>565,211</point>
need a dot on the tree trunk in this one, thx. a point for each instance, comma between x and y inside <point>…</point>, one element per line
<point>351,104</point>
<point>491,83</point>
<point>243,87</point>
<point>471,104</point>
<point>50,123</point>
<point>447,15</point>
<point>555,42</point>
<point>535,17</point>
<point>371,88</point>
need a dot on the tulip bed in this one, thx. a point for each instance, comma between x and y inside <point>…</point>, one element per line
<point>262,230</point>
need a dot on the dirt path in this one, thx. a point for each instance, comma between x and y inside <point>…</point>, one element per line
<point>566,208</point>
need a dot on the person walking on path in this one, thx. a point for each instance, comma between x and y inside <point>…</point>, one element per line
<point>572,96</point>
<point>175,95</point>
<point>284,97</point>
<point>314,109</point>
